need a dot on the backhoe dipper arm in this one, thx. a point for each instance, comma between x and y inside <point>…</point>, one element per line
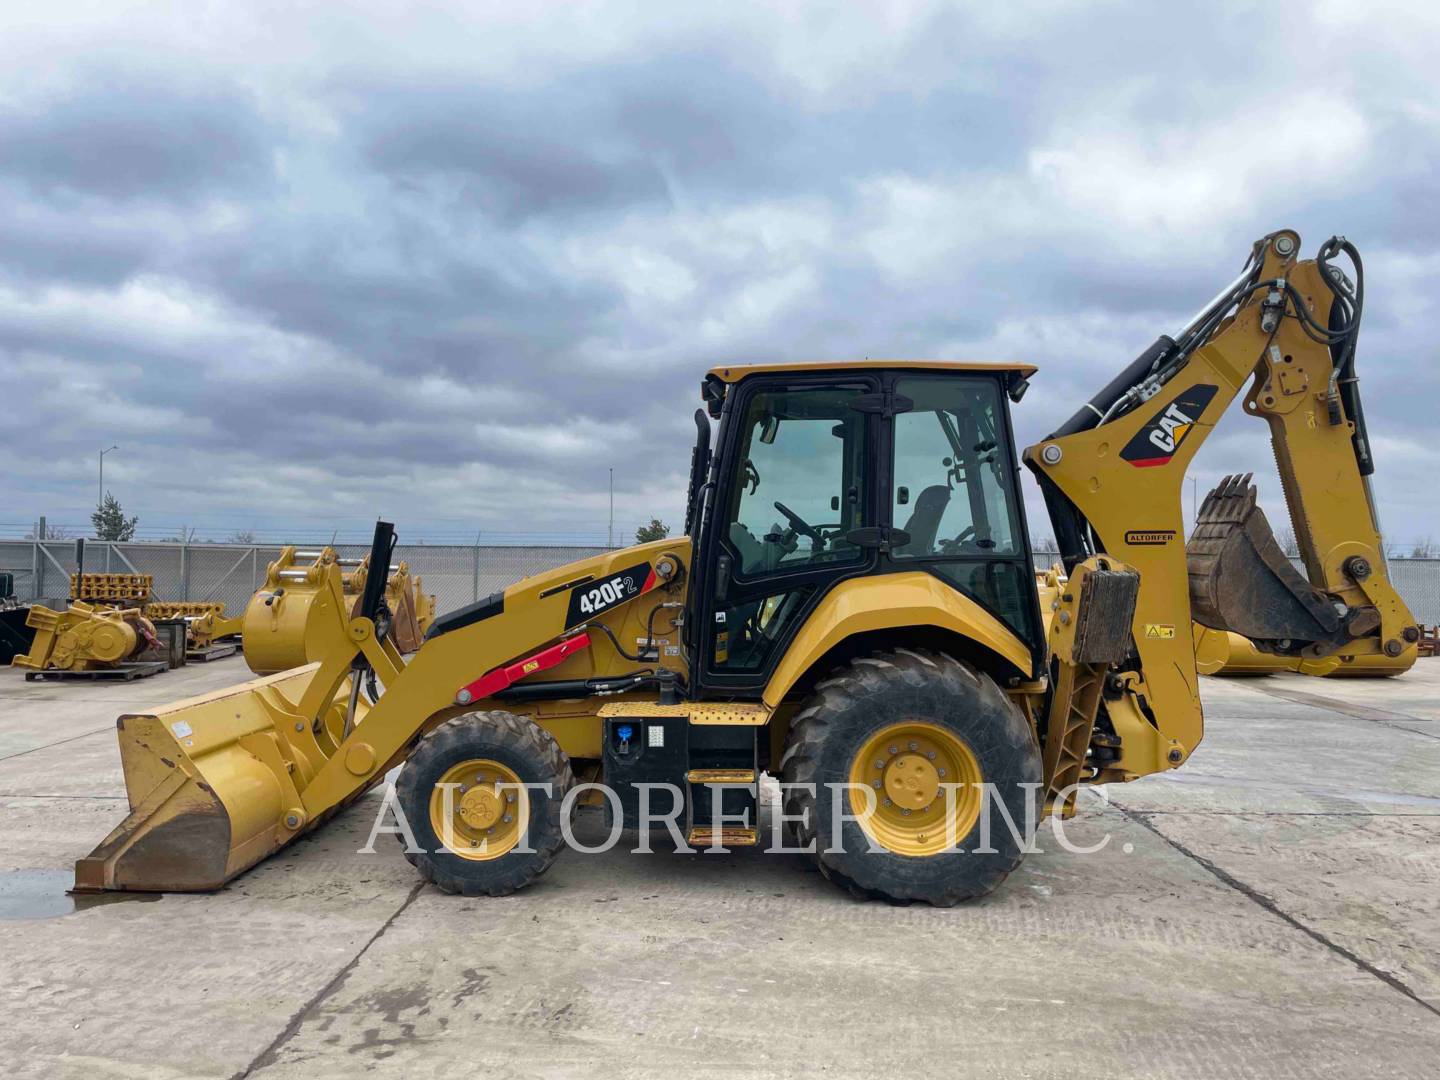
<point>1112,478</point>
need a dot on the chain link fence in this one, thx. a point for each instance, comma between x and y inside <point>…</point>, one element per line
<point>455,574</point>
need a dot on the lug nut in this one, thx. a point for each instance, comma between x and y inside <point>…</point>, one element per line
<point>510,797</point>
<point>906,811</point>
<point>893,750</point>
<point>877,785</point>
<point>887,802</point>
<point>507,819</point>
<point>914,745</point>
<point>879,764</point>
<point>931,755</point>
<point>942,772</point>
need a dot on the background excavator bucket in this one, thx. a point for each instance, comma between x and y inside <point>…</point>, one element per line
<point>211,784</point>
<point>1241,581</point>
<point>1219,652</point>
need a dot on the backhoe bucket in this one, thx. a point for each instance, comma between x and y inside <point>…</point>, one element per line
<point>212,785</point>
<point>1242,582</point>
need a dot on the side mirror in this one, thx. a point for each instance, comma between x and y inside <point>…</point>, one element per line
<point>834,502</point>
<point>902,496</point>
<point>712,392</point>
<point>769,428</point>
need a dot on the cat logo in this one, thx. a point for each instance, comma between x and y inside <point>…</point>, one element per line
<point>1172,427</point>
<point>1156,442</point>
<point>1160,631</point>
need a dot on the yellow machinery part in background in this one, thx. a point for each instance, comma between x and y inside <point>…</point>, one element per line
<point>289,618</point>
<point>1218,652</point>
<point>204,630</point>
<point>286,620</point>
<point>83,637</point>
<point>411,611</point>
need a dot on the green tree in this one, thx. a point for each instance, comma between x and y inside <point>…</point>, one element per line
<point>656,530</point>
<point>110,521</point>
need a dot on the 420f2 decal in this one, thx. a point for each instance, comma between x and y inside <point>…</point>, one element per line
<point>1157,441</point>
<point>600,594</point>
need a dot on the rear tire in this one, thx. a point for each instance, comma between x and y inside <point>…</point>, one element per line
<point>496,747</point>
<point>892,720</point>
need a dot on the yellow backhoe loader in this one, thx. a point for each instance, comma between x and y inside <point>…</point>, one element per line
<point>852,607</point>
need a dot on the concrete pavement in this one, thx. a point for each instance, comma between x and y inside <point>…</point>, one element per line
<point>1267,910</point>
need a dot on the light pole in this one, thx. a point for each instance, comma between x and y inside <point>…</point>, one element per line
<point>100,502</point>
<point>612,506</point>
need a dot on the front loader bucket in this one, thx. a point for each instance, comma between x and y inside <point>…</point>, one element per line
<point>1241,581</point>
<point>211,784</point>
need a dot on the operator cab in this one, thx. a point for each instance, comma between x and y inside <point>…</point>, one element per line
<point>825,472</point>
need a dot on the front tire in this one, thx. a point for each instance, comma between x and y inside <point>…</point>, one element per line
<point>486,835</point>
<point>904,724</point>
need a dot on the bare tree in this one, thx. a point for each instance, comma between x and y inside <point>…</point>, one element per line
<point>1286,539</point>
<point>54,532</point>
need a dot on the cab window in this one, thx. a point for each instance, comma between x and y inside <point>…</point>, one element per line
<point>954,494</point>
<point>798,490</point>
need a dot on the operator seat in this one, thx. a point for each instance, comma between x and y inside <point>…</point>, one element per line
<point>924,521</point>
<point>752,552</point>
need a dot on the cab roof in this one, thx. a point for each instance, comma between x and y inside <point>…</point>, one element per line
<point>735,372</point>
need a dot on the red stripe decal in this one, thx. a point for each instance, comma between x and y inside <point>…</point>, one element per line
<point>649,581</point>
<point>1151,462</point>
<point>492,682</point>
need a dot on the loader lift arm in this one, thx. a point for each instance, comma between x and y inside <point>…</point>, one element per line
<point>1291,325</point>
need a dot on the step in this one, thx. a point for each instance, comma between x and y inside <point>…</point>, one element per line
<point>720,776</point>
<point>706,836</point>
<point>739,713</point>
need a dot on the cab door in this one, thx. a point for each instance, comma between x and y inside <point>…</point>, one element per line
<point>795,496</point>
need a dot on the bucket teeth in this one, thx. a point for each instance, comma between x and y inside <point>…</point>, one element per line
<point>1241,581</point>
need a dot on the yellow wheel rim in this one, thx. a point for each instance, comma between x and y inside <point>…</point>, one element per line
<point>478,809</point>
<point>906,768</point>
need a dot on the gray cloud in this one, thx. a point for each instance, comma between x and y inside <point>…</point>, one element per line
<point>453,271</point>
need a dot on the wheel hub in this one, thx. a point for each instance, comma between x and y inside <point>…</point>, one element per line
<point>911,781</point>
<point>480,808</point>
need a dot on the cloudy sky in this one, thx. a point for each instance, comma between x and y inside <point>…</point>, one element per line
<point>451,263</point>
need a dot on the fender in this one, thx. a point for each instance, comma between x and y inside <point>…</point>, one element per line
<point>885,602</point>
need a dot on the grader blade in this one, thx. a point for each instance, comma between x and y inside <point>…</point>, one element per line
<point>212,785</point>
<point>1241,581</point>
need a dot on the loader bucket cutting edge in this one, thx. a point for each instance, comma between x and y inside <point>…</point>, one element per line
<point>1240,580</point>
<point>204,803</point>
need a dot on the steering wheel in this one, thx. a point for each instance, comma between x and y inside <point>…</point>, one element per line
<point>799,524</point>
